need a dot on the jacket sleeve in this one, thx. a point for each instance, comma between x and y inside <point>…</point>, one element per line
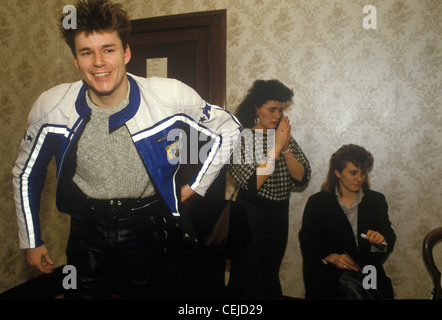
<point>374,216</point>
<point>320,279</point>
<point>223,129</point>
<point>300,156</point>
<point>313,240</point>
<point>28,176</point>
<point>385,227</point>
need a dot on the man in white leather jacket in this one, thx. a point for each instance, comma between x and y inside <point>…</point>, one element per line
<point>116,140</point>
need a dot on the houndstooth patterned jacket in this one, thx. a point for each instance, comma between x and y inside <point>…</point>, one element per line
<point>251,152</point>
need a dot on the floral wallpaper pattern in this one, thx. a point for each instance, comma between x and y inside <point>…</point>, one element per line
<point>380,88</point>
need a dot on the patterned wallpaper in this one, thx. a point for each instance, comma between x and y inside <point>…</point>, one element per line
<point>380,88</point>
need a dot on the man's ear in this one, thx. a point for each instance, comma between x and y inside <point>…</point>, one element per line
<point>76,62</point>
<point>127,54</point>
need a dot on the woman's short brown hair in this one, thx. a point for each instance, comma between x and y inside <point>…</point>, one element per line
<point>98,15</point>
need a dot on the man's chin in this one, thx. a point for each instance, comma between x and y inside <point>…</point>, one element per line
<point>100,92</point>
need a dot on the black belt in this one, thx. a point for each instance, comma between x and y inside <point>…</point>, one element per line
<point>123,203</point>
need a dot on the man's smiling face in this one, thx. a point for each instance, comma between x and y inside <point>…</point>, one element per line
<point>102,60</point>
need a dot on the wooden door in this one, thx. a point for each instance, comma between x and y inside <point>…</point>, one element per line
<point>194,45</point>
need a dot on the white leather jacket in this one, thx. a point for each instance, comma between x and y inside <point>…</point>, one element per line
<point>158,112</point>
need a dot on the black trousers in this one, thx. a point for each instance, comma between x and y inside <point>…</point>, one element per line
<point>118,247</point>
<point>255,275</point>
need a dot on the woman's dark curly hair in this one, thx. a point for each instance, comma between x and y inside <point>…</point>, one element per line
<point>98,15</point>
<point>355,154</point>
<point>261,92</point>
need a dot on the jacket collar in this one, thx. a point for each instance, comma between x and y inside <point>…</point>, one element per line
<point>119,118</point>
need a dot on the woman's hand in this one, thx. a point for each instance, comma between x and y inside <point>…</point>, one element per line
<point>375,238</point>
<point>282,136</point>
<point>341,261</point>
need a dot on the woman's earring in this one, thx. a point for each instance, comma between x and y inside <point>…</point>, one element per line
<point>256,121</point>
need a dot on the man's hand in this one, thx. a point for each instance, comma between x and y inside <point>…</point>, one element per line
<point>39,258</point>
<point>186,192</point>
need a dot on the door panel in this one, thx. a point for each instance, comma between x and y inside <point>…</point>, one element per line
<point>195,45</point>
<point>186,51</point>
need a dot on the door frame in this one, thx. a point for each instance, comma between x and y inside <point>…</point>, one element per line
<point>215,21</point>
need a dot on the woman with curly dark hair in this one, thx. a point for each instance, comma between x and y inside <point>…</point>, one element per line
<point>266,165</point>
